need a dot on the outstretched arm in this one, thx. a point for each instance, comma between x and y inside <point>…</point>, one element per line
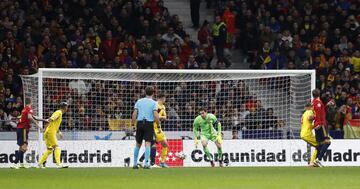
<point>31,118</point>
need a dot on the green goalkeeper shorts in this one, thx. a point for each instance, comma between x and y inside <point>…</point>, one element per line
<point>208,137</point>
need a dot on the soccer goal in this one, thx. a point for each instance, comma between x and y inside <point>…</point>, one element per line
<point>250,104</point>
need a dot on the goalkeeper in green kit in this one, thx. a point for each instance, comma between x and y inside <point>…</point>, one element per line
<point>207,123</point>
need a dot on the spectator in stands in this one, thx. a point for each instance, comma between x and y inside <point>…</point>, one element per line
<point>170,36</point>
<point>108,47</point>
<point>356,108</point>
<point>252,121</point>
<point>229,20</point>
<point>13,121</point>
<point>349,110</point>
<point>235,134</point>
<point>195,12</point>
<point>219,34</point>
<point>271,121</point>
<point>4,120</point>
<point>261,113</point>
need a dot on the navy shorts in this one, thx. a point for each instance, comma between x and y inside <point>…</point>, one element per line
<point>22,136</point>
<point>320,134</point>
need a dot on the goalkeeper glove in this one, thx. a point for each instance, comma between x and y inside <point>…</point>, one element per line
<point>219,138</point>
<point>196,143</point>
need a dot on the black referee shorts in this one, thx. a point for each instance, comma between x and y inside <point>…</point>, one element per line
<point>145,131</point>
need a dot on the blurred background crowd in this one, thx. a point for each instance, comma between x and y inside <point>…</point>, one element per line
<point>141,34</point>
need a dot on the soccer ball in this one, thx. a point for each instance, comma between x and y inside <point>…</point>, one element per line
<point>180,155</point>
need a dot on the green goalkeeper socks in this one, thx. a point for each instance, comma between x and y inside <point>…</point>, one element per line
<point>207,153</point>
<point>219,153</point>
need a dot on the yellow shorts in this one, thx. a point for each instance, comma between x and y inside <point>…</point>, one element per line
<point>310,139</point>
<point>50,140</point>
<point>159,136</point>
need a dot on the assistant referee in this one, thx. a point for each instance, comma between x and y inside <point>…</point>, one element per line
<point>144,115</point>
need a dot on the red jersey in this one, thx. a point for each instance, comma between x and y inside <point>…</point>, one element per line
<point>24,121</point>
<point>319,112</point>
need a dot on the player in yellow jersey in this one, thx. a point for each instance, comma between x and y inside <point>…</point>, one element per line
<point>306,131</point>
<point>159,135</point>
<point>51,130</point>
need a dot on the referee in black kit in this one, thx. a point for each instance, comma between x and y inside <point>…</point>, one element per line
<point>144,115</point>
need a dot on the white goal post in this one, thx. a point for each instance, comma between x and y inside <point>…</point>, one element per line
<point>250,104</point>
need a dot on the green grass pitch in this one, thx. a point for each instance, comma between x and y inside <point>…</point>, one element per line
<point>172,178</point>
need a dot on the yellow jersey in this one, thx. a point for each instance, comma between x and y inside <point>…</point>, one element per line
<point>306,124</point>
<point>55,121</point>
<point>162,114</point>
<point>355,61</point>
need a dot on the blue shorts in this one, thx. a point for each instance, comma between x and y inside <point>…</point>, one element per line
<point>22,136</point>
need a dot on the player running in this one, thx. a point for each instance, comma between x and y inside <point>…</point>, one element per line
<point>306,131</point>
<point>206,122</point>
<point>50,136</point>
<point>22,133</point>
<point>159,135</point>
<point>319,126</point>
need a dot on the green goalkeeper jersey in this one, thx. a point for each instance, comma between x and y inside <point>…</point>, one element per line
<point>206,125</point>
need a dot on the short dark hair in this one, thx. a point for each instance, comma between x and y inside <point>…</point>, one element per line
<point>316,93</point>
<point>308,104</point>
<point>27,100</point>
<point>63,104</point>
<point>161,95</point>
<point>202,109</point>
<point>149,90</point>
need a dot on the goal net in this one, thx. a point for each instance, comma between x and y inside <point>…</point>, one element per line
<point>250,104</point>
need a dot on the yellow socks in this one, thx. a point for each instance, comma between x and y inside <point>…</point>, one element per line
<point>57,155</point>
<point>163,154</point>
<point>45,156</point>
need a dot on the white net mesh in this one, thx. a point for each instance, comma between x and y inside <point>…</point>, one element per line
<point>249,105</point>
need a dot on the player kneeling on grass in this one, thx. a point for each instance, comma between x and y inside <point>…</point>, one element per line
<point>159,135</point>
<point>306,131</point>
<point>50,136</point>
<point>206,121</point>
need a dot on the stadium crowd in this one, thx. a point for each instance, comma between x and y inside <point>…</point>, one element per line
<point>89,34</point>
<point>288,34</point>
<point>273,34</point>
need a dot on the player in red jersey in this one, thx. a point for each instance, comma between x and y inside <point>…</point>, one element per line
<point>22,132</point>
<point>319,126</point>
